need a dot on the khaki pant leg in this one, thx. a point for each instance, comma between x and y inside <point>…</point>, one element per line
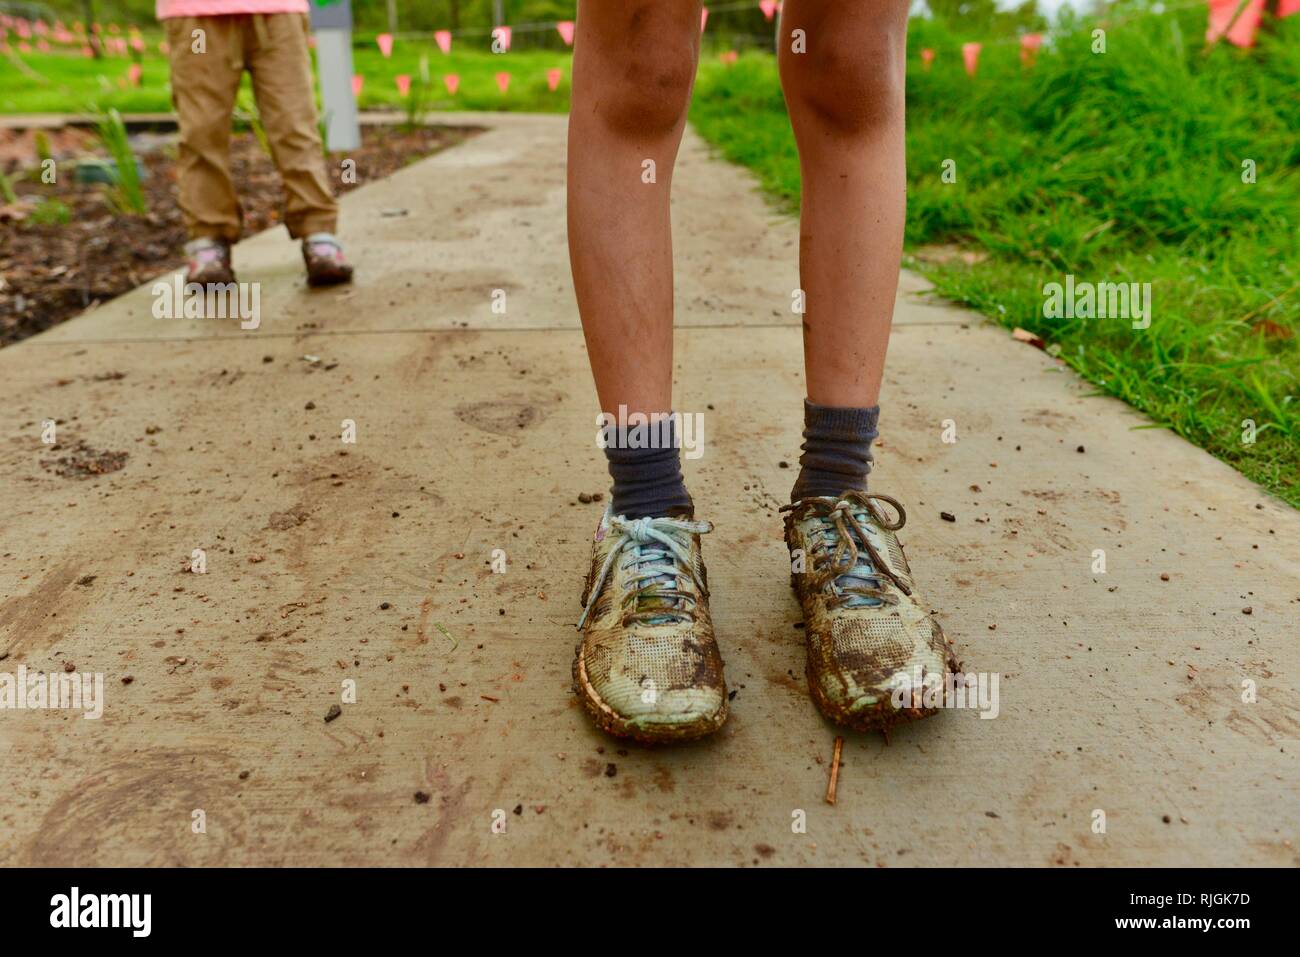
<point>281,69</point>
<point>205,82</point>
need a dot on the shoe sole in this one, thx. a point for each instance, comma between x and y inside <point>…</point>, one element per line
<point>319,282</point>
<point>612,723</point>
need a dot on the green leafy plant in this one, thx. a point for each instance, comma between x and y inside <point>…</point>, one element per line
<point>418,97</point>
<point>246,112</point>
<point>323,128</point>
<point>50,212</point>
<point>126,193</point>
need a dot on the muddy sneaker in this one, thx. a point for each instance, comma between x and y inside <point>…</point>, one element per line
<point>323,254</point>
<point>647,666</point>
<point>208,261</point>
<point>864,625</point>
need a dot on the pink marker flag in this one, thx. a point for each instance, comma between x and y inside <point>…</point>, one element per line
<point>970,53</point>
<point>553,77</point>
<point>927,57</point>
<point>87,52</point>
<point>502,34</point>
<point>137,44</point>
<point>704,17</point>
<point>403,84</point>
<point>1240,32</point>
<point>768,7</point>
<point>728,57</point>
<point>40,28</point>
<point>134,74</point>
<point>444,40</point>
<point>358,81</point>
<point>24,47</point>
<point>43,45</point>
<point>385,41</point>
<point>1287,7</point>
<point>1029,44</point>
<point>566,31</point>
<point>503,81</point>
<point>452,82</point>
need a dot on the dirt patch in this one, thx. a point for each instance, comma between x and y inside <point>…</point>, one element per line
<point>500,417</point>
<point>51,271</point>
<point>81,461</point>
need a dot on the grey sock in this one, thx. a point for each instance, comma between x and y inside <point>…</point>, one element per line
<point>648,481</point>
<point>836,449</point>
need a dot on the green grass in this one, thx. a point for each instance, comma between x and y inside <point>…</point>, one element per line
<point>1122,167</point>
<point>62,82</point>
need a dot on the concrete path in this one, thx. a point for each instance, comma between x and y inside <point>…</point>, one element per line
<point>1120,692</point>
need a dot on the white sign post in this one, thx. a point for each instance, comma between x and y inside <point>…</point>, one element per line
<point>331,21</point>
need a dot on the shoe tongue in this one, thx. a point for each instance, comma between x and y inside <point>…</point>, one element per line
<point>864,571</point>
<point>659,555</point>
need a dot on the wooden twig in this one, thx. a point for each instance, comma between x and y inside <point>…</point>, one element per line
<point>835,770</point>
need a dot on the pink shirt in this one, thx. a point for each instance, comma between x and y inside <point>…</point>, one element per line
<point>218,8</point>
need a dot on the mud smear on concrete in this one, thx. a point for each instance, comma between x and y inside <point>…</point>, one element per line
<point>506,416</point>
<point>138,813</point>
<point>82,462</point>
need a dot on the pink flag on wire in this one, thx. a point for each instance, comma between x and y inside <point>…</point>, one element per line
<point>385,41</point>
<point>87,52</point>
<point>358,81</point>
<point>503,35</point>
<point>1287,7</point>
<point>452,82</point>
<point>444,40</point>
<point>768,7</point>
<point>704,17</point>
<point>24,47</point>
<point>403,84</point>
<point>503,81</point>
<point>1240,32</point>
<point>134,74</point>
<point>927,57</point>
<point>43,45</point>
<point>970,54</point>
<point>137,44</point>
<point>553,77</point>
<point>728,57</point>
<point>1029,44</point>
<point>566,31</point>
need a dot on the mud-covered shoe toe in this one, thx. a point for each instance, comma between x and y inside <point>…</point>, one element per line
<point>854,667</point>
<point>666,685</point>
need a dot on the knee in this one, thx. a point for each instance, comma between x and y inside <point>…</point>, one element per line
<point>647,93</point>
<point>847,89</point>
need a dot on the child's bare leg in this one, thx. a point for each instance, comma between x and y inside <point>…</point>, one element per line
<point>633,68</point>
<point>845,97</point>
<point>648,666</point>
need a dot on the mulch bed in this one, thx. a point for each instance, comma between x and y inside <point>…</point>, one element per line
<point>51,272</point>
